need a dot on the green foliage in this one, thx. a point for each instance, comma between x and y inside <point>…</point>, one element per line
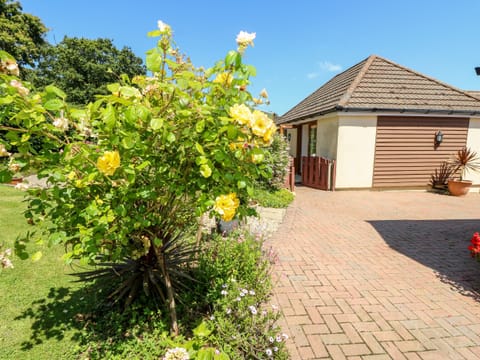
<point>277,159</point>
<point>22,35</point>
<point>273,199</point>
<point>126,172</point>
<point>83,67</point>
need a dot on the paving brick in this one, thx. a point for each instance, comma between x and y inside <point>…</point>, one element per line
<point>335,339</point>
<point>316,329</point>
<point>393,295</point>
<point>318,347</point>
<point>409,345</point>
<point>335,352</point>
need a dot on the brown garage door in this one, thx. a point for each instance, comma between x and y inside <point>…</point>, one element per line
<point>405,154</point>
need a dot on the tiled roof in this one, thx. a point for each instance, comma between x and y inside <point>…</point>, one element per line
<point>378,84</point>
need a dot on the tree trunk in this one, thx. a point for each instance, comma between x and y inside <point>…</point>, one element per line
<point>170,295</point>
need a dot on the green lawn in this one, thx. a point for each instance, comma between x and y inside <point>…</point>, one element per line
<point>37,302</point>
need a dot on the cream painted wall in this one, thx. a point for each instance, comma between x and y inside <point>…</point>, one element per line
<point>327,133</point>
<point>355,151</point>
<point>293,141</point>
<point>473,142</point>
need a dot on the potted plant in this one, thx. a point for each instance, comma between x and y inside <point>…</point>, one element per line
<point>465,160</point>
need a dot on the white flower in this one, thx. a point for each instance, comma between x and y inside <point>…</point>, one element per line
<point>61,123</point>
<point>224,292</point>
<point>3,151</point>
<point>253,309</point>
<point>271,339</point>
<point>22,90</point>
<point>14,167</point>
<point>162,26</point>
<point>251,292</point>
<point>224,286</point>
<point>238,298</point>
<point>177,353</point>
<point>269,352</point>
<point>228,311</point>
<point>244,39</point>
<point>12,68</point>
<point>284,336</point>
<point>278,338</point>
<point>274,307</point>
<point>22,186</point>
<point>275,348</point>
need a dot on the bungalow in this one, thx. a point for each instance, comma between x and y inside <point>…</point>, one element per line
<point>378,121</point>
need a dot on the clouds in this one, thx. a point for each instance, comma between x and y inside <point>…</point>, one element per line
<point>325,66</point>
<point>328,66</point>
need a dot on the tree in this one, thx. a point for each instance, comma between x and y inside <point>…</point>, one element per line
<point>83,67</point>
<point>168,148</point>
<point>21,35</point>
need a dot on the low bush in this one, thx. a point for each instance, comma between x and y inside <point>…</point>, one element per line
<point>274,199</point>
<point>226,315</point>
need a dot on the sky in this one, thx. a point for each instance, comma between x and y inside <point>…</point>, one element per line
<point>299,45</point>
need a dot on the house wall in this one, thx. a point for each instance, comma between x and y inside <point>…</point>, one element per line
<point>292,143</point>
<point>355,152</point>
<point>327,133</point>
<point>473,142</point>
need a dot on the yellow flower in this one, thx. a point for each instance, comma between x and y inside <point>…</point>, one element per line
<point>268,136</point>
<point>108,162</point>
<point>257,101</point>
<point>261,123</point>
<point>241,113</point>
<point>224,79</point>
<point>226,206</point>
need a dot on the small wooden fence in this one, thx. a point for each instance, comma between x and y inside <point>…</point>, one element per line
<point>318,172</point>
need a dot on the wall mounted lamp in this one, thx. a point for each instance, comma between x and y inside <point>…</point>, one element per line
<point>438,138</point>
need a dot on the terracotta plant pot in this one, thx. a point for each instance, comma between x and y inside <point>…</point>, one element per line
<point>459,187</point>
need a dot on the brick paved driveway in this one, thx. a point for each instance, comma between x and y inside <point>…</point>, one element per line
<point>379,275</point>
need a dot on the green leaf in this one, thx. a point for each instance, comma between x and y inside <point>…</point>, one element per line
<point>156,123</point>
<point>171,137</point>
<point>202,330</point>
<point>154,60</point>
<point>233,58</point>
<point>232,132</point>
<point>109,116</point>
<point>200,160</point>
<point>154,33</point>
<point>5,176</point>
<point>206,354</point>
<point>143,165</point>
<point>54,104</point>
<point>200,126</point>
<point>199,148</point>
<point>51,89</point>
<point>128,142</point>
<point>37,256</point>
<point>113,88</point>
<point>6,100</point>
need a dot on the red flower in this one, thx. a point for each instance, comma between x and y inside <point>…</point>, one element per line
<point>475,247</point>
